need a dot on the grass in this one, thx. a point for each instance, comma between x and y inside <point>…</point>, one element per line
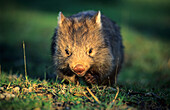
<point>52,94</point>
<point>17,93</point>
<point>143,82</point>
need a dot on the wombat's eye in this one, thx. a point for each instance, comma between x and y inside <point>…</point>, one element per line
<point>67,52</point>
<point>90,51</point>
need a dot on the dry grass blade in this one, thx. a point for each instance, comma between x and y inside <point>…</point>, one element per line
<point>116,94</point>
<point>8,86</point>
<point>112,102</point>
<point>93,95</point>
<point>25,67</point>
<point>88,97</point>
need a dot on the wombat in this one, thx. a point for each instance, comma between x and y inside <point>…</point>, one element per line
<point>87,45</point>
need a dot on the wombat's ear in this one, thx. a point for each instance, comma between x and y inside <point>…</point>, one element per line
<point>97,18</point>
<point>61,18</point>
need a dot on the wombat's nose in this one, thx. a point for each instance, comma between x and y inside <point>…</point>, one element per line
<point>79,69</point>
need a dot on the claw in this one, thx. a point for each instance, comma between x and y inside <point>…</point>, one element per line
<point>90,78</point>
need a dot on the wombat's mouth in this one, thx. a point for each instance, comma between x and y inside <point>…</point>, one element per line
<point>89,76</point>
<point>80,74</point>
<point>89,71</point>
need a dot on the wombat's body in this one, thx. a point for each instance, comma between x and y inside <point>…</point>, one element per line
<point>87,45</point>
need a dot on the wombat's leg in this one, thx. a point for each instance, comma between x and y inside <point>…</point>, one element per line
<point>112,79</point>
<point>92,79</point>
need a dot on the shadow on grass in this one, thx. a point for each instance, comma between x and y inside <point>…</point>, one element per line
<point>156,30</point>
<point>12,61</point>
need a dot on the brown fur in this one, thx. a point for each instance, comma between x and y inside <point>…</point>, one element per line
<point>75,36</point>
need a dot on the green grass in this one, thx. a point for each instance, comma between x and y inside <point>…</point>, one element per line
<point>143,82</point>
<point>36,94</point>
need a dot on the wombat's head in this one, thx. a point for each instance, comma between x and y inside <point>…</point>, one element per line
<point>80,46</point>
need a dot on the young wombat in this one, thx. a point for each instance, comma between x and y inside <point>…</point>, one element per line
<point>87,45</point>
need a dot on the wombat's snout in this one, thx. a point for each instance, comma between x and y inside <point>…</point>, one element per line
<point>78,69</point>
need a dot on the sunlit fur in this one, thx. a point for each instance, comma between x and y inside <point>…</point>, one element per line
<point>78,34</point>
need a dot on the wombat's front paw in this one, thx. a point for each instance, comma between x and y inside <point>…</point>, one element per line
<point>92,79</point>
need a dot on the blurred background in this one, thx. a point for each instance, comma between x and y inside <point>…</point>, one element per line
<point>145,27</point>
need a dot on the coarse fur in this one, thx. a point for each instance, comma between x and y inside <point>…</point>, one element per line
<point>92,40</point>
